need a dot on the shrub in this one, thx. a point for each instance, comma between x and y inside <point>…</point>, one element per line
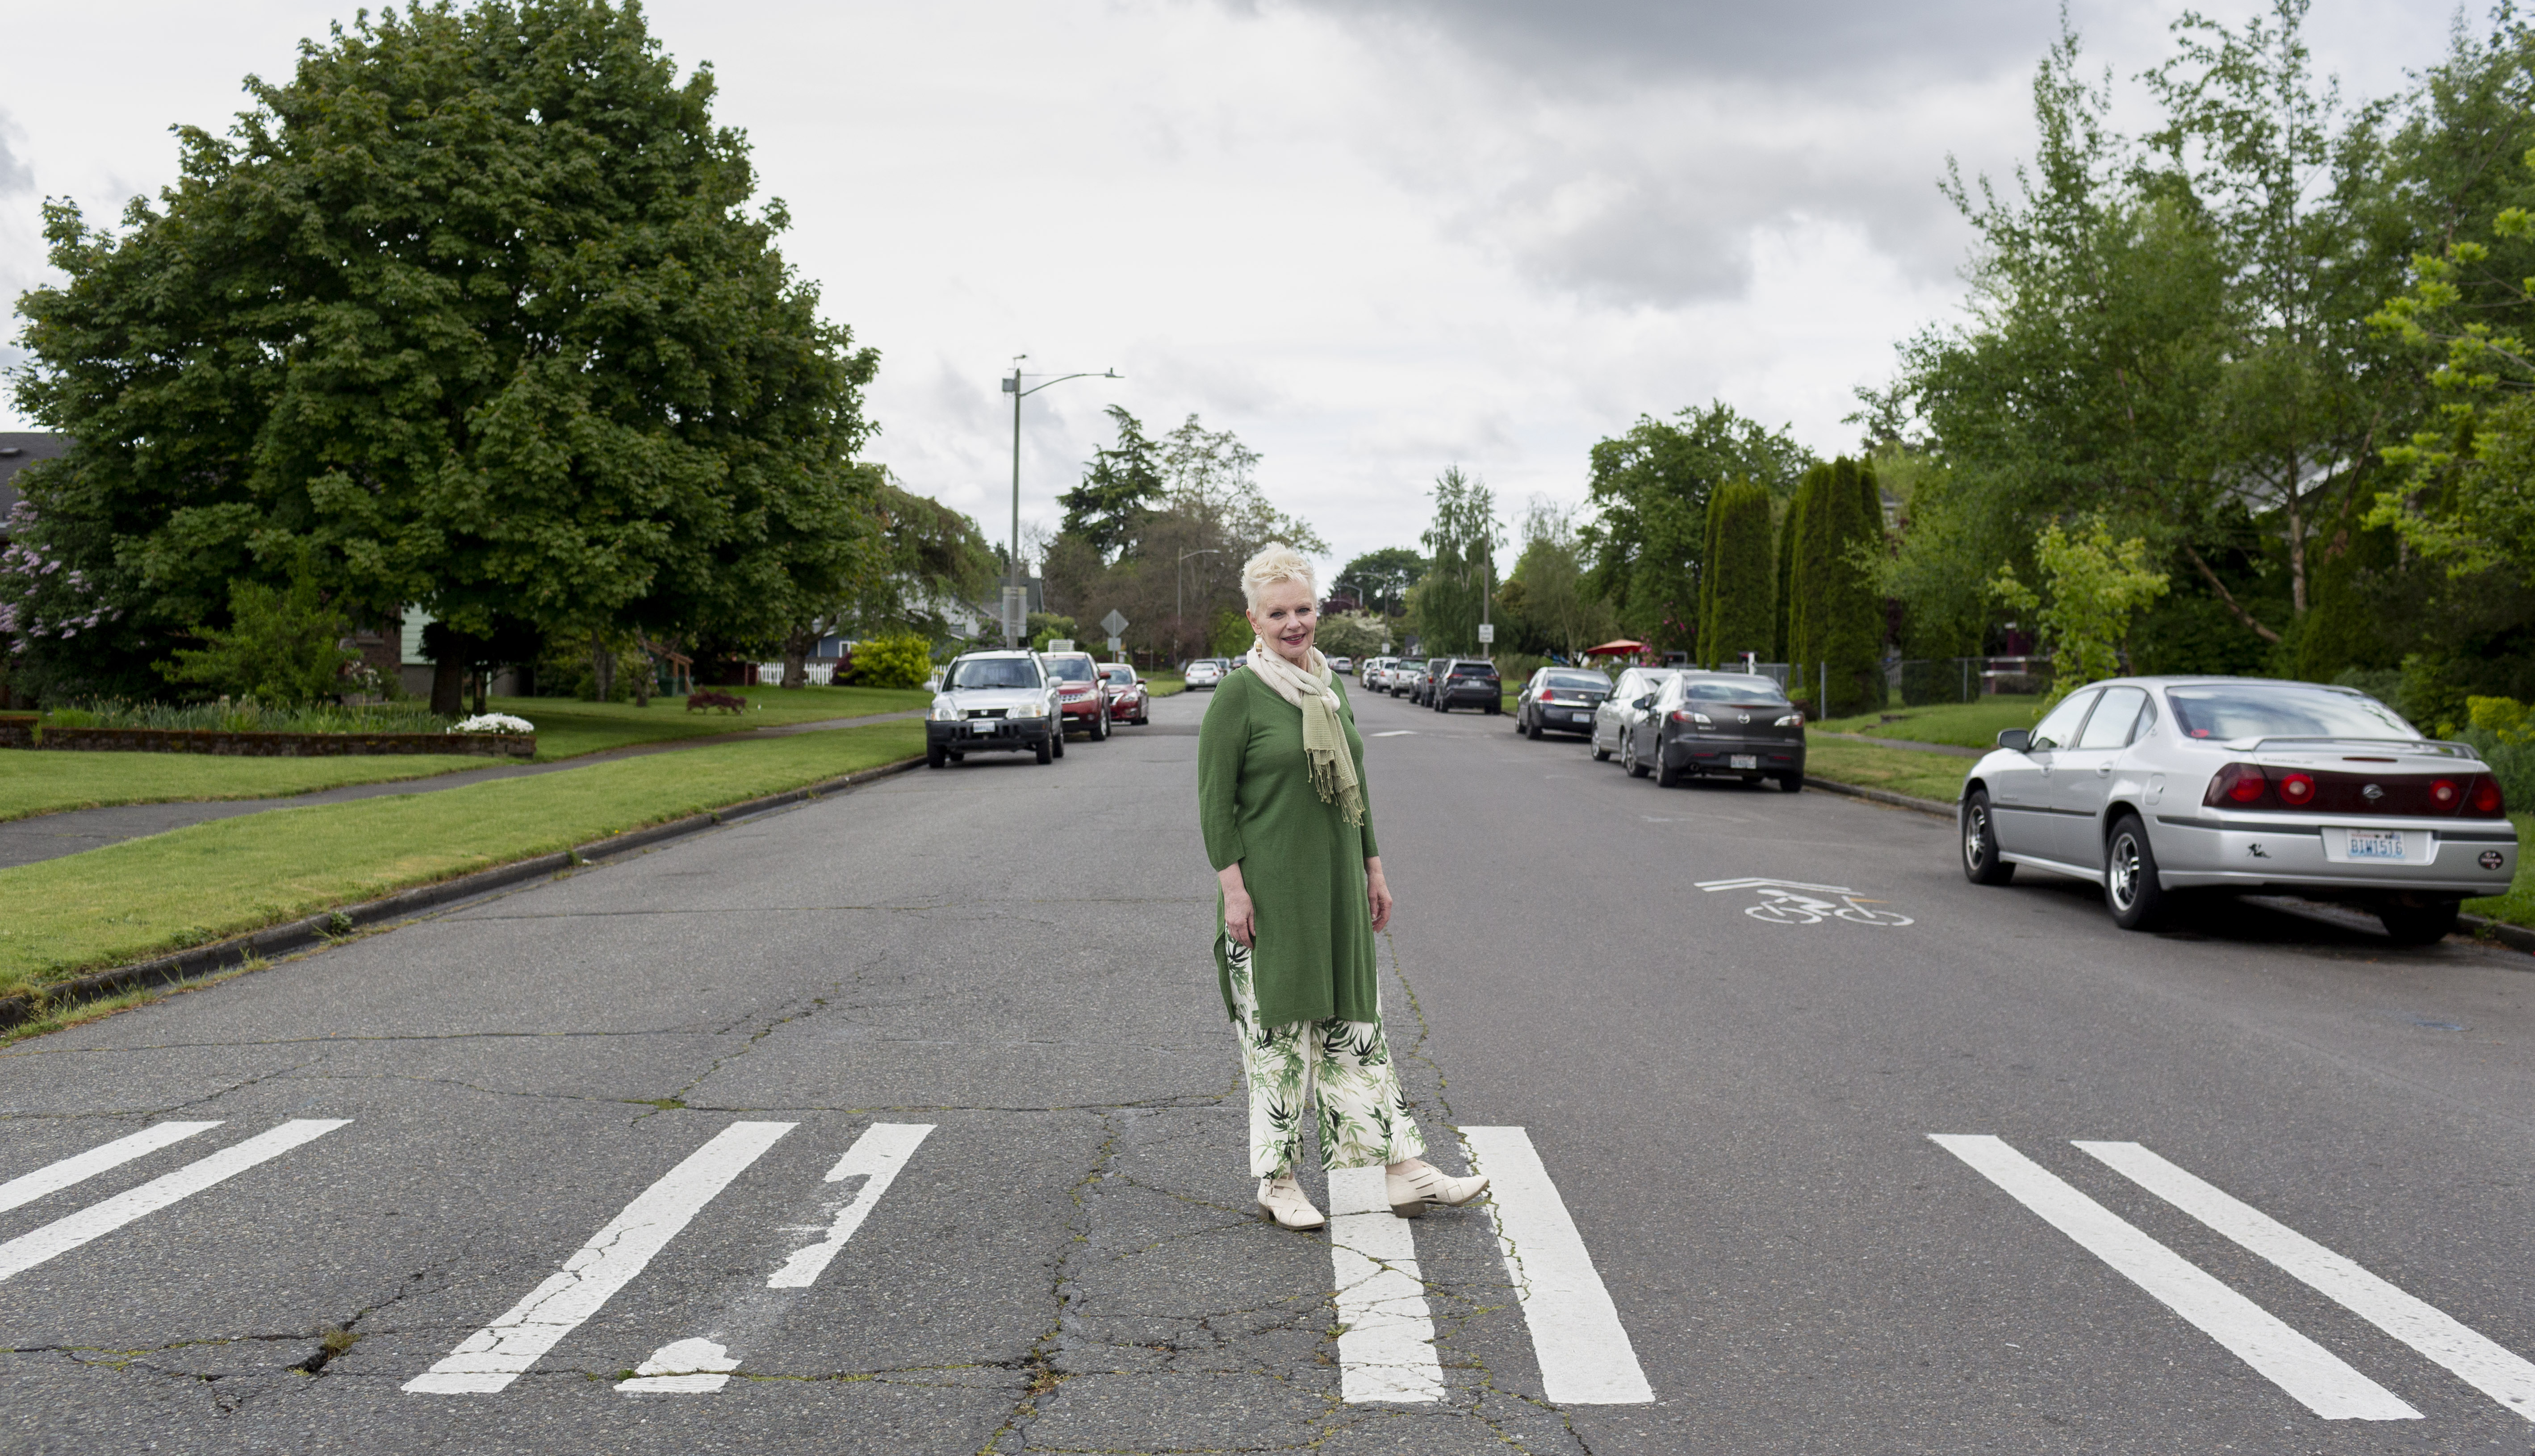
<point>280,646</point>
<point>903,661</point>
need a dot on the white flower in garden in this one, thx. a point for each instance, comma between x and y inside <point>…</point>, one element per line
<point>495,723</point>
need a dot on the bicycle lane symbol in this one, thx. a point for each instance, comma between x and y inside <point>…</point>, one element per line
<point>1795,902</point>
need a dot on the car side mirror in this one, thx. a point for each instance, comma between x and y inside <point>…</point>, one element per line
<point>1642,703</point>
<point>2015,739</point>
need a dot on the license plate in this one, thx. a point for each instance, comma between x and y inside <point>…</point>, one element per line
<point>981,725</point>
<point>2376,844</point>
<point>1753,761</point>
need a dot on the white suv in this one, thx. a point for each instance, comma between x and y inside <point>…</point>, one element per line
<point>994,701</point>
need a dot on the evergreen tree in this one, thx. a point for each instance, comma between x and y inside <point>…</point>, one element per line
<point>1783,637</point>
<point>1852,639</point>
<point>1738,607</point>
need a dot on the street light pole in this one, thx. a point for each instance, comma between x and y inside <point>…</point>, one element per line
<point>1016,595</point>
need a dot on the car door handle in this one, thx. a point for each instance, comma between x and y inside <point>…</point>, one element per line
<point>2103,770</point>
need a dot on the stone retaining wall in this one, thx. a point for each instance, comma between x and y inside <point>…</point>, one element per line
<point>16,733</point>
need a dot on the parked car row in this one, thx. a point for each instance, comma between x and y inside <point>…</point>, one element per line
<point>1015,700</point>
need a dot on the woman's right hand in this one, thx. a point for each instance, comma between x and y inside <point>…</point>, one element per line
<point>1240,918</point>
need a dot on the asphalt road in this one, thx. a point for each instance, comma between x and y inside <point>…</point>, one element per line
<point>950,1047</point>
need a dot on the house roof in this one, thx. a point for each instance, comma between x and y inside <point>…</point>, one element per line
<point>19,449</point>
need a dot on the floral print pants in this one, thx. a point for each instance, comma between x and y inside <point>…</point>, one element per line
<point>1344,1066</point>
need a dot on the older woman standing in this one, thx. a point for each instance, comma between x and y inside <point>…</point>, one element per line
<point>1280,798</point>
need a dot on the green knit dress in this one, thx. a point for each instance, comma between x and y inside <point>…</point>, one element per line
<point>1301,861</point>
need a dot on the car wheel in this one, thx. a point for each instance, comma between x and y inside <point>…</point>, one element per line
<point>1533,732</point>
<point>1100,728</point>
<point>1981,861</point>
<point>1056,738</point>
<point>1628,756</point>
<point>1593,736</point>
<point>1666,775</point>
<point>935,756</point>
<point>1791,784</point>
<point>1047,755</point>
<point>2418,925</point>
<point>2130,888</point>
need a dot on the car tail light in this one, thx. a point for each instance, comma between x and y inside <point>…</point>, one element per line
<point>2485,797</point>
<point>2240,784</point>
<point>1685,715</point>
<point>2296,789</point>
<point>2444,793</point>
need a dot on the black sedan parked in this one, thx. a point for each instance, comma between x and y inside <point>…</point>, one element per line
<point>1465,681</point>
<point>1714,722</point>
<point>1558,700</point>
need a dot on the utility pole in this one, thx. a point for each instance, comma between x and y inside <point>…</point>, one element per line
<point>1016,591</point>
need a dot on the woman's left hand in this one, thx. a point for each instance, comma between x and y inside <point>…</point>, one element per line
<point>1377,893</point>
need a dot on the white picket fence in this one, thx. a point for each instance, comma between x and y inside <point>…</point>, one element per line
<point>822,674</point>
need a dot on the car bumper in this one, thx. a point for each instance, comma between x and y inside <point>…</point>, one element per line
<point>1558,717</point>
<point>1468,697</point>
<point>962,737</point>
<point>1088,712</point>
<point>1711,753</point>
<point>2195,855</point>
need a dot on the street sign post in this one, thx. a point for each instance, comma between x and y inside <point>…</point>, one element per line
<point>1113,624</point>
<point>1487,634</point>
<point>1116,647</point>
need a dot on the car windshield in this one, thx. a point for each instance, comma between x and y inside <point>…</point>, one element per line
<point>1120,674</point>
<point>1735,690</point>
<point>994,672</point>
<point>2283,710</point>
<point>1577,681</point>
<point>1414,663</point>
<point>1070,669</point>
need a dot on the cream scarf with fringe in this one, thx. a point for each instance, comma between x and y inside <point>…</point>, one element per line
<point>1324,736</point>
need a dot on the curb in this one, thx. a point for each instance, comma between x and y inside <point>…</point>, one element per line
<point>333,925</point>
<point>2515,936</point>
<point>1939,810</point>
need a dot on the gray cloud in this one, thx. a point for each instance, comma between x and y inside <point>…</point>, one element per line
<point>15,175</point>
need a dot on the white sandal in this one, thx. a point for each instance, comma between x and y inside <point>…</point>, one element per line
<point>1284,1201</point>
<point>1413,1193</point>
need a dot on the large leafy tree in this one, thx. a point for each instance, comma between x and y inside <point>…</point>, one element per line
<point>1120,487</point>
<point>1461,542</point>
<point>1649,495</point>
<point>1382,579</point>
<point>471,313</point>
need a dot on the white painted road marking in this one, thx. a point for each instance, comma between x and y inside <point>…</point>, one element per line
<point>2313,1375</point>
<point>1398,733</point>
<point>686,1367</point>
<point>1386,1352</point>
<point>491,1358</point>
<point>63,1235</point>
<point>1787,902</point>
<point>878,1154</point>
<point>52,1178</point>
<point>1585,1354</point>
<point>2478,1361</point>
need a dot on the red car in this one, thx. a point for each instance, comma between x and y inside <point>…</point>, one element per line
<point>1081,703</point>
<point>1129,701</point>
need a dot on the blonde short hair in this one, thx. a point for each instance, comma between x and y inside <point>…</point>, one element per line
<point>1275,561</point>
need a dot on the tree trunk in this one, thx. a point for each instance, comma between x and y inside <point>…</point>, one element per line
<point>448,688</point>
<point>796,656</point>
<point>2297,545</point>
<point>642,674</point>
<point>483,681</point>
<point>602,667</point>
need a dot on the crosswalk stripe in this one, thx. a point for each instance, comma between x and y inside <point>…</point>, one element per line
<point>1585,1354</point>
<point>878,1154</point>
<point>1386,1352</point>
<point>63,1235</point>
<point>2480,1362</point>
<point>2311,1375</point>
<point>491,1358</point>
<point>52,1178</point>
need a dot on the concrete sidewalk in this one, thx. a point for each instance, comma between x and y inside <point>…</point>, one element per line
<point>51,836</point>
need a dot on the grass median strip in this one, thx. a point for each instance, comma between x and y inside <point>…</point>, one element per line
<point>149,897</point>
<point>568,727</point>
<point>1913,771</point>
<point>1971,725</point>
<point>33,781</point>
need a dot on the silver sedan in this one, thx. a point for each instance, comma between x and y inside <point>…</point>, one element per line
<point>2154,787</point>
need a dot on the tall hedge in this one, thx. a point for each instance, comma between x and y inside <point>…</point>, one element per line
<point>1738,606</point>
<point>1783,637</point>
<point>1833,620</point>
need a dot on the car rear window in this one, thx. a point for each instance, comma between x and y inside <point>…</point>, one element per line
<point>1473,670</point>
<point>2283,710</point>
<point>1735,690</point>
<point>1578,682</point>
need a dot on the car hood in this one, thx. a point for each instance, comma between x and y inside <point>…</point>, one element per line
<point>964,699</point>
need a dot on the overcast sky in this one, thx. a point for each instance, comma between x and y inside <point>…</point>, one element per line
<point>1372,237</point>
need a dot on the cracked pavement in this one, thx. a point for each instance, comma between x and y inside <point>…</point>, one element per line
<point>1735,1115</point>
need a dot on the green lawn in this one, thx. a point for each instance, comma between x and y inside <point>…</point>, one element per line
<point>1971,725</point>
<point>1913,771</point>
<point>568,727</point>
<point>32,781</point>
<point>147,897</point>
<point>1163,684</point>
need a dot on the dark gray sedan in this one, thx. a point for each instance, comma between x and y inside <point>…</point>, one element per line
<point>1720,723</point>
<point>1560,699</point>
